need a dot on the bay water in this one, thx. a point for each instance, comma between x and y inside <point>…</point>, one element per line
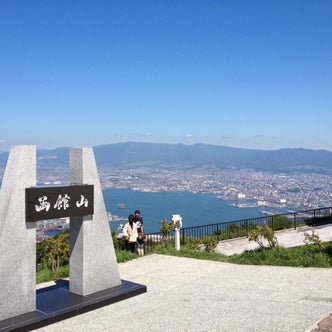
<point>196,209</point>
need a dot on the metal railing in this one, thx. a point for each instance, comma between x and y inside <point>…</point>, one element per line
<point>241,228</point>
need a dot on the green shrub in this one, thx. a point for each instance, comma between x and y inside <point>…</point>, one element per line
<point>193,243</point>
<point>302,256</point>
<point>119,244</point>
<point>278,222</point>
<point>261,233</point>
<point>166,227</point>
<point>210,242</point>
<point>314,239</point>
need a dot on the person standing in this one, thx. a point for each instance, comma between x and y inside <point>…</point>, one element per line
<point>140,232</point>
<point>130,233</point>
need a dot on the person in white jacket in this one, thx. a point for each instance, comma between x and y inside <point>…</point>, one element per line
<point>130,233</point>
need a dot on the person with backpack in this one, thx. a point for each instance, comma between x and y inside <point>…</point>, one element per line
<point>130,233</point>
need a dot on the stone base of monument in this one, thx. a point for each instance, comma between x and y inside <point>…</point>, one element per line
<point>56,303</point>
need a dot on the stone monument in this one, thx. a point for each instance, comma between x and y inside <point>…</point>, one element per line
<point>94,278</point>
<point>93,265</point>
<point>17,238</point>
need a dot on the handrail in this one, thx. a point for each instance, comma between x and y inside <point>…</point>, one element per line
<point>242,227</point>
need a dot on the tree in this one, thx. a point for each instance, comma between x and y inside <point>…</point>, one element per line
<point>56,249</point>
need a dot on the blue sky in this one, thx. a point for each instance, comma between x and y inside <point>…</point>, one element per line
<point>243,73</point>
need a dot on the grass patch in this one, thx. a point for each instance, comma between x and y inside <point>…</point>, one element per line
<point>46,274</point>
<point>190,253</point>
<point>124,255</point>
<point>309,255</point>
<point>302,256</point>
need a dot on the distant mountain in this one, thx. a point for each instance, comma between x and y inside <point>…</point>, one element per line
<point>132,154</point>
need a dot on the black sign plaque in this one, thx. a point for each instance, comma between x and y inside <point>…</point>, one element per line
<point>57,202</point>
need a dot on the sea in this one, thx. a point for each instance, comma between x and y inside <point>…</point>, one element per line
<point>195,209</point>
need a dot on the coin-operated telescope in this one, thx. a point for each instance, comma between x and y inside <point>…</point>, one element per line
<point>177,220</point>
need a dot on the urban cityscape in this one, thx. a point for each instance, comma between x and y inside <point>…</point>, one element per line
<point>297,190</point>
<point>244,186</point>
<point>247,187</point>
<point>241,187</point>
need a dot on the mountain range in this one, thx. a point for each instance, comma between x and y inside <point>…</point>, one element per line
<point>154,155</point>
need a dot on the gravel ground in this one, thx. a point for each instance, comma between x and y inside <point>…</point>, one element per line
<point>185,294</point>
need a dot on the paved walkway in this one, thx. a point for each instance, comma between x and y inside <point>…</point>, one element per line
<point>185,294</point>
<point>288,238</point>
